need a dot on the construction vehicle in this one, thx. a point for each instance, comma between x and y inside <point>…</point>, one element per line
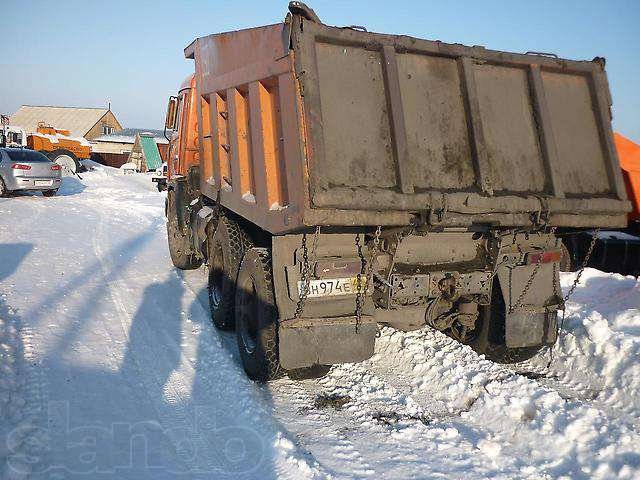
<point>60,147</point>
<point>57,144</point>
<point>334,180</point>
<point>11,136</point>
<point>616,251</point>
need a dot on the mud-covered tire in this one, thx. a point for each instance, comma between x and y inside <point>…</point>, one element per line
<point>490,337</point>
<point>226,247</point>
<point>309,373</point>
<point>257,317</point>
<point>50,193</point>
<point>180,250</point>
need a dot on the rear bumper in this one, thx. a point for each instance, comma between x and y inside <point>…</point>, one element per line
<point>29,183</point>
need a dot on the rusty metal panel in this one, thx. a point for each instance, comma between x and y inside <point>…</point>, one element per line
<point>510,133</point>
<point>356,127</point>
<point>436,124</point>
<point>576,132</point>
<point>401,124</point>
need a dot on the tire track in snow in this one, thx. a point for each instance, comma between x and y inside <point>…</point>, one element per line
<point>294,402</point>
<point>302,461</point>
<point>169,416</point>
<point>292,465</point>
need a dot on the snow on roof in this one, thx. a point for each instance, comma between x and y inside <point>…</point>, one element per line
<point>128,135</point>
<point>78,120</point>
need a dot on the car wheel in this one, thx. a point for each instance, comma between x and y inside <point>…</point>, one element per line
<point>257,317</point>
<point>49,193</point>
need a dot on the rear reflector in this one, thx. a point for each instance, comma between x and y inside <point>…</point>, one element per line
<point>55,167</point>
<point>20,166</point>
<point>544,257</point>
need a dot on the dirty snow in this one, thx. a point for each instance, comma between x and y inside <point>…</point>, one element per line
<point>111,369</point>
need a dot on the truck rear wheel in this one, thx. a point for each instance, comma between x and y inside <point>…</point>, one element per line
<point>490,337</point>
<point>227,246</point>
<point>257,317</point>
<point>67,160</point>
<point>180,250</point>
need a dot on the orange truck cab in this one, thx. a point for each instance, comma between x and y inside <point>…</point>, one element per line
<point>183,142</point>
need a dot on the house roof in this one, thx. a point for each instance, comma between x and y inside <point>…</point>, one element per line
<point>78,120</point>
<point>128,135</point>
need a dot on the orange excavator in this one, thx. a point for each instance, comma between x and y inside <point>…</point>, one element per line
<point>615,251</point>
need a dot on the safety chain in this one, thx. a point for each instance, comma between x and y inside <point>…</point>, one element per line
<point>572,289</point>
<point>527,286</point>
<point>586,259</point>
<point>306,274</point>
<point>365,270</point>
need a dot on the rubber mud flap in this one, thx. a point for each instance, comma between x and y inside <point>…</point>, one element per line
<point>522,327</point>
<point>325,341</point>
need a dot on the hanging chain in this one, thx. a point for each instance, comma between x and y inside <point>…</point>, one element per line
<point>306,267</point>
<point>574,285</point>
<point>586,259</point>
<point>366,271</point>
<point>518,303</point>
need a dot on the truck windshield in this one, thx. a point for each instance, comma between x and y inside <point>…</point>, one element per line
<point>22,155</point>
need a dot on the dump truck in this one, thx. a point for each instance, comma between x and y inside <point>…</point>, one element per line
<point>60,147</point>
<point>335,180</point>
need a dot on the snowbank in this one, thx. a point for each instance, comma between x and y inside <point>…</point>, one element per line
<point>598,352</point>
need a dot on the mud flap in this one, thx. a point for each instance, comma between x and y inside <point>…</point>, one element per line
<point>533,323</point>
<point>325,341</point>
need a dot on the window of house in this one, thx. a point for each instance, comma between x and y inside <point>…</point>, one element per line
<point>107,129</point>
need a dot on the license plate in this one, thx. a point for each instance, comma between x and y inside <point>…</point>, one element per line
<point>331,287</point>
<point>43,183</point>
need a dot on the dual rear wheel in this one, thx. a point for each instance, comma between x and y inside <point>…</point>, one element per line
<point>241,296</point>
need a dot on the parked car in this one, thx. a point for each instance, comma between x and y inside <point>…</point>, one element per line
<point>22,169</point>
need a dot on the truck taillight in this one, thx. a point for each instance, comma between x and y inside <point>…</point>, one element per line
<point>544,257</point>
<point>55,167</point>
<point>20,166</point>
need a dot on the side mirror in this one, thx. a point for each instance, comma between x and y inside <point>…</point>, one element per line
<point>172,114</point>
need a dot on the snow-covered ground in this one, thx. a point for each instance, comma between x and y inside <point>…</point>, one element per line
<point>110,368</point>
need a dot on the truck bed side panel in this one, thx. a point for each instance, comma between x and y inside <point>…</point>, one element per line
<point>252,160</point>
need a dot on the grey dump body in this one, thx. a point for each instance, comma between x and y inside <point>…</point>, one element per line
<point>470,161</point>
<point>399,124</point>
